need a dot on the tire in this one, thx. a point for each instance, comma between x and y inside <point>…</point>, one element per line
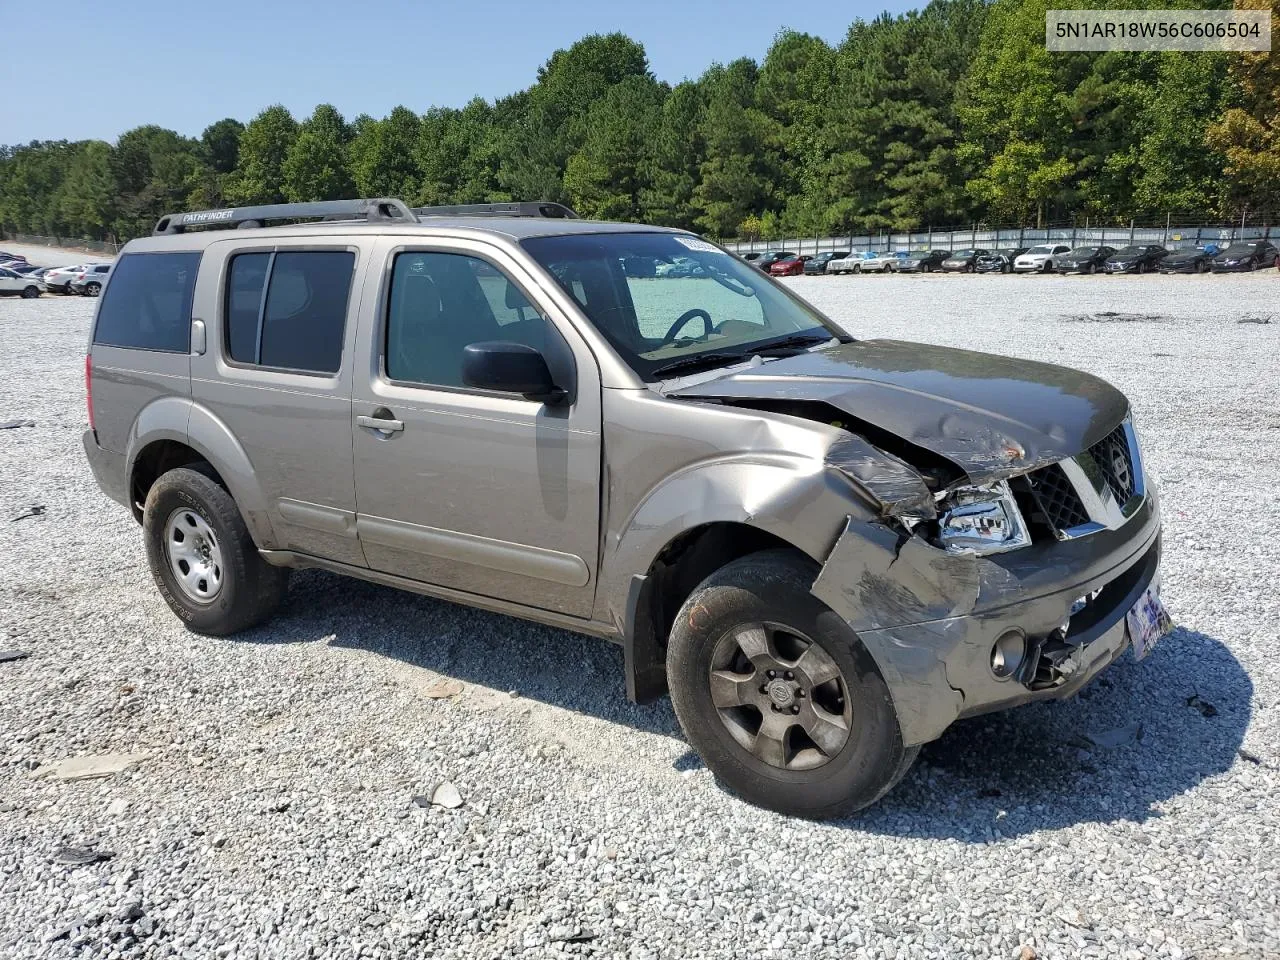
<point>1253,265</point>
<point>765,599</point>
<point>240,588</point>
<point>1091,269</point>
<point>92,289</point>
<point>30,293</point>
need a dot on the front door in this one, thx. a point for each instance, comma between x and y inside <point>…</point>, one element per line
<point>479,491</point>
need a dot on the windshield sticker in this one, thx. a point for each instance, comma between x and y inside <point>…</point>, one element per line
<point>693,243</point>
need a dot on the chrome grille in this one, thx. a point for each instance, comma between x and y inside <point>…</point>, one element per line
<point>1057,498</point>
<point>1115,461</point>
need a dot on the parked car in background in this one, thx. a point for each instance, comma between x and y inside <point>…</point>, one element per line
<point>963,261</point>
<point>1140,258</point>
<point>790,266</point>
<point>1245,255</point>
<point>922,261</point>
<point>1189,259</point>
<point>1084,259</point>
<point>1040,258</point>
<point>818,264</point>
<point>750,257</point>
<point>12,283</point>
<point>89,283</point>
<point>10,258</point>
<point>999,261</point>
<point>851,263</point>
<point>58,280</point>
<point>769,259</point>
<point>22,267</point>
<point>884,262</point>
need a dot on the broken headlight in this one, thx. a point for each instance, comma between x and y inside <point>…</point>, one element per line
<point>981,520</point>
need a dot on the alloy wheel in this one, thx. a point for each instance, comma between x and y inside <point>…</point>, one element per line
<point>780,695</point>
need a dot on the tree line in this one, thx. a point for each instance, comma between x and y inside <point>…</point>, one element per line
<point>951,114</point>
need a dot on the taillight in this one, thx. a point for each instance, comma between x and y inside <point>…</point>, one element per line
<point>88,388</point>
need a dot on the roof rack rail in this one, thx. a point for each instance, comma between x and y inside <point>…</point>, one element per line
<point>378,209</point>
<point>518,208</point>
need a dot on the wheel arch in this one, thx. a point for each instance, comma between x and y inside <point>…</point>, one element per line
<point>175,432</point>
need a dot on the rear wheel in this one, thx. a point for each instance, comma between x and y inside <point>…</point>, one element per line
<point>778,695</point>
<point>30,293</point>
<point>204,562</point>
<point>92,289</point>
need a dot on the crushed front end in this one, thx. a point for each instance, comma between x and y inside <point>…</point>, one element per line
<point>958,628</point>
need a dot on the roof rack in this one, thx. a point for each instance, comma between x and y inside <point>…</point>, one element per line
<point>379,209</point>
<point>519,208</point>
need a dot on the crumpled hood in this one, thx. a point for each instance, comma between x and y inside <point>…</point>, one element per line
<point>992,416</point>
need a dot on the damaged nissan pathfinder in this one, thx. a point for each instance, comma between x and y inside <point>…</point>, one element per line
<point>827,549</point>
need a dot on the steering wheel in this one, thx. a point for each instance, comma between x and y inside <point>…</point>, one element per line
<point>708,325</point>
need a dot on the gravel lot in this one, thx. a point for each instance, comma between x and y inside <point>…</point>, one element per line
<point>274,814</point>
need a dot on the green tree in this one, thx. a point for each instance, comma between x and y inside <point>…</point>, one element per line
<point>316,165</point>
<point>742,151</point>
<point>222,144</point>
<point>384,154</point>
<point>536,148</point>
<point>1248,134</point>
<point>155,170</point>
<point>86,199</point>
<point>607,175</point>
<point>264,147</point>
<point>673,158</point>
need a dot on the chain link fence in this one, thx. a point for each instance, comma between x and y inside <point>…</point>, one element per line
<point>67,243</point>
<point>980,236</point>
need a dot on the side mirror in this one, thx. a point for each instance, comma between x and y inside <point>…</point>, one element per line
<point>509,367</point>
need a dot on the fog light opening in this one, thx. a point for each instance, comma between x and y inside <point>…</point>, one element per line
<point>1007,654</point>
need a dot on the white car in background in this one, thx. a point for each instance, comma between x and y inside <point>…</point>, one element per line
<point>851,263</point>
<point>1040,259</point>
<point>59,279</point>
<point>883,262</point>
<point>89,282</point>
<point>12,282</point>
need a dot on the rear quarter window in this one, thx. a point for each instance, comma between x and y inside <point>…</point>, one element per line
<point>147,304</point>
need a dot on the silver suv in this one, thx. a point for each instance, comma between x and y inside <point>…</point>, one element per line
<point>827,549</point>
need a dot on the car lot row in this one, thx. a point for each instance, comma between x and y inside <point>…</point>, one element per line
<point>23,279</point>
<point>1244,255</point>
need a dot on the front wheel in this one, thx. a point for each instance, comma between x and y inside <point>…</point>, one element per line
<point>92,289</point>
<point>778,695</point>
<point>202,557</point>
<point>30,293</point>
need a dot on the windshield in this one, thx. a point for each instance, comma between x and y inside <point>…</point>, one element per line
<point>1128,252</point>
<point>964,254</point>
<point>1041,249</point>
<point>1241,249</point>
<point>725,311</point>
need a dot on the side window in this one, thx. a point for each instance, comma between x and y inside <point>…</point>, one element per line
<point>288,310</point>
<point>147,305</point>
<point>440,303</point>
<point>102,269</point>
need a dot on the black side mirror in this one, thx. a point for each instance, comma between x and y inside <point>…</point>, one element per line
<point>509,367</point>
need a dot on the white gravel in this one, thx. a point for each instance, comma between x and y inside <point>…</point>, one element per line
<point>275,815</point>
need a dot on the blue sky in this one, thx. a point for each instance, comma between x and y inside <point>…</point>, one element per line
<point>91,70</point>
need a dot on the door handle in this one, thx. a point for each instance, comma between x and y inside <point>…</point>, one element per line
<point>383,424</point>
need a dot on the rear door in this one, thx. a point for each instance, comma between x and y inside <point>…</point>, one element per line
<point>281,323</point>
<point>479,491</point>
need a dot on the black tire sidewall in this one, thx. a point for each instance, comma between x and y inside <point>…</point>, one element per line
<point>772,587</point>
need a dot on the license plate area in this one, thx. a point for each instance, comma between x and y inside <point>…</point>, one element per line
<point>1147,621</point>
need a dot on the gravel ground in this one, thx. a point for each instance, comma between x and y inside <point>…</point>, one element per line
<point>274,813</point>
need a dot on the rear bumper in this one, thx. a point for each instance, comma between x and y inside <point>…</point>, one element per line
<point>938,669</point>
<point>108,469</point>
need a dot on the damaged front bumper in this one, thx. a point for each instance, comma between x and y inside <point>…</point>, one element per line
<point>931,619</point>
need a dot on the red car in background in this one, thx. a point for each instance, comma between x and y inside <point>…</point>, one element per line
<point>791,266</point>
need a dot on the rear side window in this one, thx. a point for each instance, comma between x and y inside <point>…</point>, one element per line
<point>147,304</point>
<point>288,310</point>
